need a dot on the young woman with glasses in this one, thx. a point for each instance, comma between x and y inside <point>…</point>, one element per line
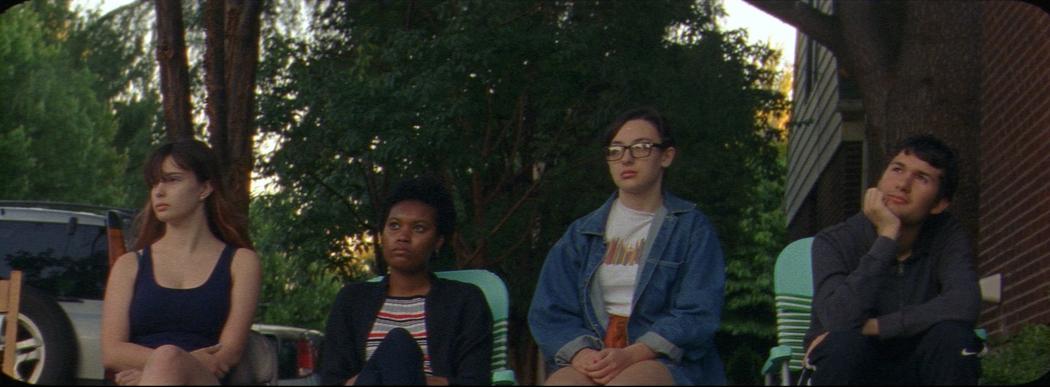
<point>632,293</point>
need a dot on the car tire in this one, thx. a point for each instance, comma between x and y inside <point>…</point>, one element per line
<point>47,349</point>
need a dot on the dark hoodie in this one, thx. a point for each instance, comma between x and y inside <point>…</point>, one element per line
<point>856,276</point>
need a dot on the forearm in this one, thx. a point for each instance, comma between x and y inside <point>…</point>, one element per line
<point>843,296</point>
<point>563,355</point>
<point>640,352</point>
<point>915,319</point>
<point>120,356</point>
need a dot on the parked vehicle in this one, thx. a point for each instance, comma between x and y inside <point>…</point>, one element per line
<point>64,250</point>
<point>297,353</point>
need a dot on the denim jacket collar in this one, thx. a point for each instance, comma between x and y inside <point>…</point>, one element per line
<point>595,223</point>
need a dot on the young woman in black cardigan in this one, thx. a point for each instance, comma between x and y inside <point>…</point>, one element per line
<point>412,327</point>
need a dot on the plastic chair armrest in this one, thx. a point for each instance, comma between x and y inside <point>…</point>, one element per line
<point>503,378</point>
<point>777,356</point>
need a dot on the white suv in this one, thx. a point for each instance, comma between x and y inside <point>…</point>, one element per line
<point>63,250</point>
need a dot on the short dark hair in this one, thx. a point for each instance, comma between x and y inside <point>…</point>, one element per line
<point>646,113</point>
<point>430,191</point>
<point>936,153</point>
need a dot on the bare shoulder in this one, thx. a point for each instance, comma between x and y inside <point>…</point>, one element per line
<point>245,259</point>
<point>127,263</point>
<point>123,272</point>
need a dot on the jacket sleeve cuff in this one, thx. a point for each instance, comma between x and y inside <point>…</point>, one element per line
<point>660,345</point>
<point>891,325</point>
<point>567,351</point>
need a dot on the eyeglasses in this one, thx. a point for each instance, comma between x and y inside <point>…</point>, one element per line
<point>639,151</point>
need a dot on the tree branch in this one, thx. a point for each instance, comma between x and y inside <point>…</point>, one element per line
<point>514,208</point>
<point>817,25</point>
<point>339,195</point>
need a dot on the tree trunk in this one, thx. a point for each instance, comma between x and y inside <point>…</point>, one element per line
<point>917,66</point>
<point>215,70</point>
<point>174,76</point>
<point>230,60</point>
<point>241,49</point>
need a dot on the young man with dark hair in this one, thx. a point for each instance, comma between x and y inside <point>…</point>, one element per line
<point>896,296</point>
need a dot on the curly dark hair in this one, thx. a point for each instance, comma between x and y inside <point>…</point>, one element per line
<point>429,191</point>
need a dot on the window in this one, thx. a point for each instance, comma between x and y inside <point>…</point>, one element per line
<point>64,260</point>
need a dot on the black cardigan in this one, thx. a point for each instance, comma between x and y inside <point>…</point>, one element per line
<point>459,331</point>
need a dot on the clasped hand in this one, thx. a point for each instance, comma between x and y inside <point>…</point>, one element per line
<point>207,357</point>
<point>602,366</point>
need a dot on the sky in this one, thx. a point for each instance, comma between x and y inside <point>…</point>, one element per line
<point>761,27</point>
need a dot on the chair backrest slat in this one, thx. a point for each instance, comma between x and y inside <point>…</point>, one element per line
<point>793,289</point>
<point>10,299</point>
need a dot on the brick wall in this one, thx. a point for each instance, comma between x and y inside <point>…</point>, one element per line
<point>1014,207</point>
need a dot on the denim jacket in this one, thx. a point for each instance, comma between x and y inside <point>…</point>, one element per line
<point>677,301</point>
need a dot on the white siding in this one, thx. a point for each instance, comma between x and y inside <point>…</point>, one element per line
<point>818,130</point>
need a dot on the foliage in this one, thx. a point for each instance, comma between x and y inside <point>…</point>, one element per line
<point>1022,358</point>
<point>505,101</point>
<point>294,293</point>
<point>117,48</point>
<point>55,130</point>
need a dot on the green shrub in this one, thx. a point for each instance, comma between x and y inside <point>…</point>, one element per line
<point>1022,358</point>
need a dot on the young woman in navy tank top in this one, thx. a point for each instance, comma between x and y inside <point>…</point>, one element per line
<point>179,307</point>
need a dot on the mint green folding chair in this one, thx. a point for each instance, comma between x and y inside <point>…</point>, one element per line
<point>499,303</point>
<point>793,297</point>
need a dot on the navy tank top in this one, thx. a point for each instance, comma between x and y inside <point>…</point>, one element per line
<point>188,318</point>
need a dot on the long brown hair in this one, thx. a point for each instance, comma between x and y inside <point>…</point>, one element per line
<point>195,156</point>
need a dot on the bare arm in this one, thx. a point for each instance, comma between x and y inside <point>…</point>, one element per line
<point>244,296</point>
<point>118,353</point>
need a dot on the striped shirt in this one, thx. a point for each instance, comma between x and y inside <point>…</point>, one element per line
<point>408,313</point>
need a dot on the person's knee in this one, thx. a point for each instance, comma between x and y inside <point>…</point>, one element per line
<point>646,372</point>
<point>950,341</point>
<point>948,351</point>
<point>398,346</point>
<point>399,334</point>
<point>568,376</point>
<point>399,340</point>
<point>843,351</point>
<point>165,354</point>
<point>165,363</point>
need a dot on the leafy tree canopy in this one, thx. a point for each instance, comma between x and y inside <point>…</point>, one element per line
<point>55,130</point>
